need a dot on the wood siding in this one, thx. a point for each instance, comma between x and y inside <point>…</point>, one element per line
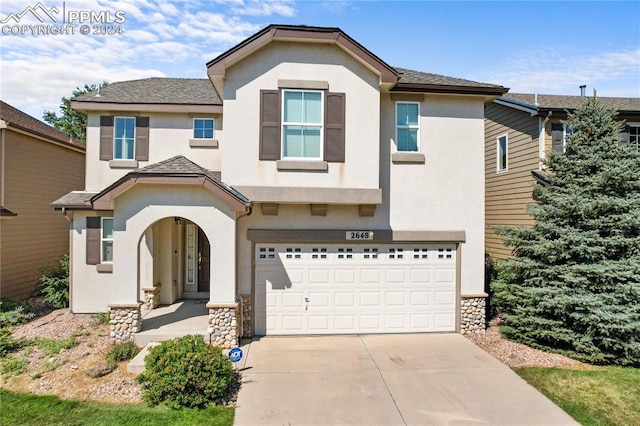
<point>508,193</point>
<point>35,173</point>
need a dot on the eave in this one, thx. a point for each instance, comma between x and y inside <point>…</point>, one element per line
<point>135,107</point>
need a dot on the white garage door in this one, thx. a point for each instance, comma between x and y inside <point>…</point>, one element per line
<point>328,289</point>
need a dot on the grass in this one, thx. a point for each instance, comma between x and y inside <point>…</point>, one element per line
<point>52,346</point>
<point>605,396</point>
<point>34,410</point>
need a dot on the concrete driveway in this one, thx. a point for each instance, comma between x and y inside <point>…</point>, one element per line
<point>409,379</point>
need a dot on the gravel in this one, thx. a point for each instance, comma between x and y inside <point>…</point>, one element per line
<point>67,377</point>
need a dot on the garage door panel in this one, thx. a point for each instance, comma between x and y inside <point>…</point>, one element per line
<point>323,289</point>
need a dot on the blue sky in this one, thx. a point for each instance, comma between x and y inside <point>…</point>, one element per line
<point>542,46</point>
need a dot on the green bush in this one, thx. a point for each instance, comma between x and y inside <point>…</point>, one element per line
<point>122,352</point>
<point>52,346</point>
<point>13,312</point>
<point>186,372</point>
<point>7,342</point>
<point>54,284</point>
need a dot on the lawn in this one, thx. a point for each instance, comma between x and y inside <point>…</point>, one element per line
<point>34,410</point>
<point>606,396</point>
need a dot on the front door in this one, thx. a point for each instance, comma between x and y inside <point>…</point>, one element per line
<point>204,267</point>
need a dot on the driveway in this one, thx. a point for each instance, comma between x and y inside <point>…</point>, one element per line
<point>409,379</point>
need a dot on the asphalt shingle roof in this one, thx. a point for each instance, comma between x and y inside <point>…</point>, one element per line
<point>176,91</point>
<point>571,102</point>
<point>178,165</point>
<point>17,118</point>
<point>418,77</point>
<point>77,199</point>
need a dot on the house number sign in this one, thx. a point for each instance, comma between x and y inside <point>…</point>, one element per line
<point>359,235</point>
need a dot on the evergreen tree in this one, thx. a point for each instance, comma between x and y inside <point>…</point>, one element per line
<point>573,286</point>
<point>71,122</point>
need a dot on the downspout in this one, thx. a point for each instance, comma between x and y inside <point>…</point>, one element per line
<point>542,123</point>
<point>239,296</point>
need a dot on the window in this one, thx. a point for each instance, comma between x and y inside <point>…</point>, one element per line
<point>124,138</point>
<point>559,132</point>
<point>631,136</point>
<point>502,151</point>
<point>407,126</point>
<point>302,124</point>
<point>106,240</point>
<point>203,128</point>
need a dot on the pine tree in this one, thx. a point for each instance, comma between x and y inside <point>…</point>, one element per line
<point>573,286</point>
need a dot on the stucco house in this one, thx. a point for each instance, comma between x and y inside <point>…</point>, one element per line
<point>305,187</point>
<point>520,129</point>
<point>37,164</point>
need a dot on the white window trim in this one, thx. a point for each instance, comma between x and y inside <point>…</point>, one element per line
<point>506,148</point>
<point>634,124</point>
<point>115,119</point>
<point>407,127</point>
<point>321,124</point>
<point>102,240</point>
<point>193,128</point>
<point>564,137</point>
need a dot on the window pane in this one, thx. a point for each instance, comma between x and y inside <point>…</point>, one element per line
<point>293,107</point>
<point>124,137</point>
<point>407,114</point>
<point>107,251</point>
<point>311,142</point>
<point>312,107</point>
<point>502,153</point>
<point>293,141</point>
<point>203,128</point>
<point>107,228</point>
<point>407,140</point>
<point>302,141</point>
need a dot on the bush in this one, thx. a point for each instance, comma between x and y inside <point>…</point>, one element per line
<point>122,352</point>
<point>54,284</point>
<point>186,372</point>
<point>7,342</point>
<point>52,346</point>
<point>13,312</point>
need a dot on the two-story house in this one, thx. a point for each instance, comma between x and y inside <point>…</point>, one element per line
<point>520,129</point>
<point>306,187</point>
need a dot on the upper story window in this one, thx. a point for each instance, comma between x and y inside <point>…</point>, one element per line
<point>559,133</point>
<point>631,136</point>
<point>502,153</point>
<point>124,138</point>
<point>203,128</point>
<point>302,121</point>
<point>106,240</point>
<point>407,126</point>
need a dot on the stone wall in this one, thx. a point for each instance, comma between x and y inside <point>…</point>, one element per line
<point>473,314</point>
<point>247,315</point>
<point>151,297</point>
<point>223,324</point>
<point>124,321</point>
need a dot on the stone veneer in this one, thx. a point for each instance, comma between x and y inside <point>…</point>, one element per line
<point>247,323</point>
<point>223,324</point>
<point>151,297</point>
<point>124,321</point>
<point>473,314</point>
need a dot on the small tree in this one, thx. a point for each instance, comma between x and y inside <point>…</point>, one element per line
<point>574,283</point>
<point>71,122</point>
<point>54,283</point>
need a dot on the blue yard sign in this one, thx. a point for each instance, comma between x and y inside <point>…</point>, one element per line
<point>235,354</point>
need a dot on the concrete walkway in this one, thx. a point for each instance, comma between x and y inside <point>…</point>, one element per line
<point>415,379</point>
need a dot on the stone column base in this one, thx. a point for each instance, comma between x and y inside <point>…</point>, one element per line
<point>473,315</point>
<point>247,320</point>
<point>125,320</point>
<point>151,297</point>
<point>223,324</point>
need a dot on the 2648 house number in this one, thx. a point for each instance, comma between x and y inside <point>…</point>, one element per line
<point>359,235</point>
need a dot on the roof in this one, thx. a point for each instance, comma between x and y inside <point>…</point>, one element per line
<point>564,102</point>
<point>74,200</point>
<point>178,166</point>
<point>176,91</point>
<point>7,213</point>
<point>428,82</point>
<point>13,117</point>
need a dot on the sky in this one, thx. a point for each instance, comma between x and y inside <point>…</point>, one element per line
<point>546,47</point>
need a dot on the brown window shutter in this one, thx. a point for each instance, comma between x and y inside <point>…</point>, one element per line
<point>93,240</point>
<point>557,135</point>
<point>142,139</point>
<point>334,144</point>
<point>269,125</point>
<point>624,135</point>
<point>106,137</point>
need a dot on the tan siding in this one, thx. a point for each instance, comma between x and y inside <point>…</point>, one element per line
<point>507,194</point>
<point>35,174</point>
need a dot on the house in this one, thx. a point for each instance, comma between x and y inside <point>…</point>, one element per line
<point>305,187</point>
<point>520,129</point>
<point>37,164</point>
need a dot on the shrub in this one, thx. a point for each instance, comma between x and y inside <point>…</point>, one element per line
<point>103,317</point>
<point>186,372</point>
<point>13,312</point>
<point>13,365</point>
<point>52,346</point>
<point>54,284</point>
<point>7,342</point>
<point>122,352</point>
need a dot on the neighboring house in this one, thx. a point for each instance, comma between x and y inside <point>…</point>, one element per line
<point>37,164</point>
<point>306,187</point>
<point>520,129</point>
